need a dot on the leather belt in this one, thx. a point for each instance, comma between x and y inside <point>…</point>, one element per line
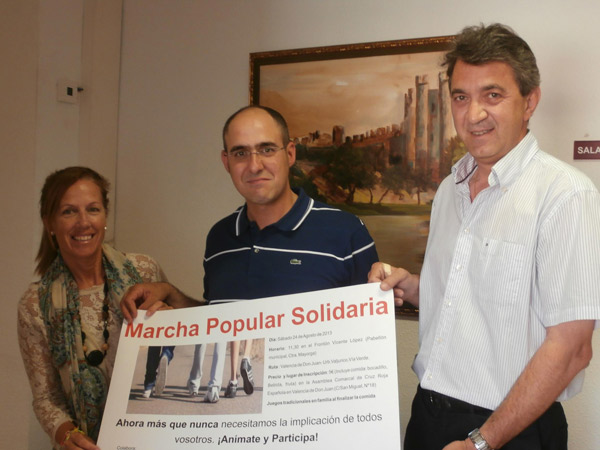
<point>447,403</point>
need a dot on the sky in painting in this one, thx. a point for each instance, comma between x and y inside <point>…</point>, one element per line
<point>359,94</point>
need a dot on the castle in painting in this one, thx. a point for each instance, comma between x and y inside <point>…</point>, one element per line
<point>422,144</point>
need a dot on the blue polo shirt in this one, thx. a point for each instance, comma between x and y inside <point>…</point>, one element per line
<point>312,247</point>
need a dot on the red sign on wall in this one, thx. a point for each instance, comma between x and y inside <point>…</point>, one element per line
<point>586,150</point>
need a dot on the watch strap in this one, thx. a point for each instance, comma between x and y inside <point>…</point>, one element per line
<point>478,440</point>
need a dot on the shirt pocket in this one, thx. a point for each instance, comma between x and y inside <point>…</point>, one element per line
<point>501,266</point>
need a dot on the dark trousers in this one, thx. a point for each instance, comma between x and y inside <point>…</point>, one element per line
<point>152,360</point>
<point>436,420</point>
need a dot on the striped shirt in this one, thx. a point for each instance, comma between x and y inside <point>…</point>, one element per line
<point>314,246</point>
<point>523,256</point>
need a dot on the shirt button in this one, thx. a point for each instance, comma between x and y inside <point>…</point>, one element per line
<point>458,267</point>
<point>256,250</point>
<point>467,231</point>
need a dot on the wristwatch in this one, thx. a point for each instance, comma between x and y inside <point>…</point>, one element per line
<point>478,441</point>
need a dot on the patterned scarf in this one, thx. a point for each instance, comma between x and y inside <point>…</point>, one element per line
<point>85,386</point>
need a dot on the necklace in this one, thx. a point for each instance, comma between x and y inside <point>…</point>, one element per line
<point>96,357</point>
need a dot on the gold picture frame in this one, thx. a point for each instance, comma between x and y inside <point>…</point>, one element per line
<point>373,132</point>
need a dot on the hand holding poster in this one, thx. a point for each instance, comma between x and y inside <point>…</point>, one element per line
<point>324,366</point>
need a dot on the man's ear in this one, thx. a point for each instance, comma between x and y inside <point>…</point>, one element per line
<point>290,149</point>
<point>225,160</point>
<point>533,98</point>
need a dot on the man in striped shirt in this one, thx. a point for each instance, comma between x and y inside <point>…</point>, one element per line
<point>508,294</point>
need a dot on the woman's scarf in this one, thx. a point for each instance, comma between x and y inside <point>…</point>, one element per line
<point>85,386</point>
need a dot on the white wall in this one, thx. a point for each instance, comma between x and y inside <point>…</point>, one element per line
<point>40,43</point>
<point>35,134</point>
<point>18,52</point>
<point>185,69</point>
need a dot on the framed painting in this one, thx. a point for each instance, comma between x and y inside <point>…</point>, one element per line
<point>373,131</point>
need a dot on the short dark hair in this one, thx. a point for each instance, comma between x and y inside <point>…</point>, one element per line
<point>55,186</point>
<point>481,44</point>
<point>277,117</point>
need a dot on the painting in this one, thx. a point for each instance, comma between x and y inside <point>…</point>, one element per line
<point>373,131</point>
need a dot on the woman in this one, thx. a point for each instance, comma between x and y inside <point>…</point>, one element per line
<point>69,321</point>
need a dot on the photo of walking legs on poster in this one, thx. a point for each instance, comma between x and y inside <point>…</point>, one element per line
<point>196,379</point>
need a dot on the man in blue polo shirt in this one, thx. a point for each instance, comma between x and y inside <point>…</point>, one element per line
<point>280,242</point>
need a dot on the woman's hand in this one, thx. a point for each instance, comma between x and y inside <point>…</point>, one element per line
<point>72,438</point>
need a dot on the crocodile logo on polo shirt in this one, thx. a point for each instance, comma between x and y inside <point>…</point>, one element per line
<point>295,262</point>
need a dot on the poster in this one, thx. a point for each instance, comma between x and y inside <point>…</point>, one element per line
<point>324,366</point>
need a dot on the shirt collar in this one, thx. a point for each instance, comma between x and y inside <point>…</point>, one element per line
<point>290,222</point>
<point>504,171</point>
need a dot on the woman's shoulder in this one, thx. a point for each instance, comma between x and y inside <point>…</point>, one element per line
<point>147,266</point>
<point>31,294</point>
<point>29,304</point>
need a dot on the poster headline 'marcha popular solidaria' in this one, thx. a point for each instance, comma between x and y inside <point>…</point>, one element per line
<point>299,316</point>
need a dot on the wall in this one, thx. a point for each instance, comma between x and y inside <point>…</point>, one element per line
<point>18,49</point>
<point>185,70</point>
<point>40,43</point>
<point>36,134</point>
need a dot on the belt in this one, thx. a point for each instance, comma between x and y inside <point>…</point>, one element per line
<point>447,403</point>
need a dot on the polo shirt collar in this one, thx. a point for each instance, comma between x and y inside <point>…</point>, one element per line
<point>505,171</point>
<point>290,222</point>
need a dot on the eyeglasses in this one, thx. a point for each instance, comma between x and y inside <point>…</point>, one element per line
<point>262,152</point>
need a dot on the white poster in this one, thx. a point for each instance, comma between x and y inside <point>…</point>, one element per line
<point>324,367</point>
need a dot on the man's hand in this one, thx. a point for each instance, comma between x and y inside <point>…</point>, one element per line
<point>404,283</point>
<point>467,444</point>
<point>566,351</point>
<point>149,296</point>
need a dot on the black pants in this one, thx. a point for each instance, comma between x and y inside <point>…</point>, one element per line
<point>436,420</point>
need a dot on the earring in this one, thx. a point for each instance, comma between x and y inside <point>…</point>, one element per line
<point>52,233</point>
<point>105,228</point>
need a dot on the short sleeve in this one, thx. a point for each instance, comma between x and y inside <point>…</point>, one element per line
<point>568,263</point>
